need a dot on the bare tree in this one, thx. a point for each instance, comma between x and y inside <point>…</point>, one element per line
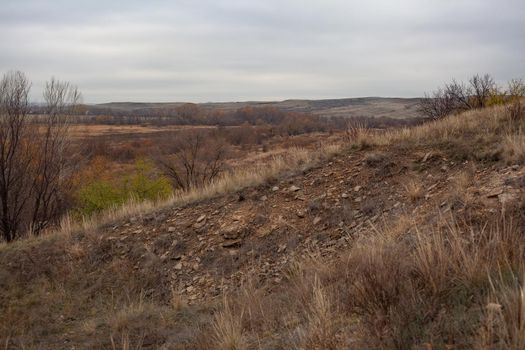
<point>437,105</point>
<point>458,96</point>
<point>483,87</point>
<point>33,160</point>
<point>52,166</point>
<point>14,152</point>
<point>194,161</point>
<point>515,90</point>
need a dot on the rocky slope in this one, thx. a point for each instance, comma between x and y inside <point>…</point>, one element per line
<point>210,247</point>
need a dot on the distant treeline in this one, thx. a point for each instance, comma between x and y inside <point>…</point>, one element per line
<point>193,114</point>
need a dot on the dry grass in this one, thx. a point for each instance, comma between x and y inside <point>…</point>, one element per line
<point>514,148</point>
<point>499,120</point>
<point>433,287</point>
<point>359,135</point>
<point>321,326</point>
<point>293,161</point>
<point>227,329</point>
<point>414,189</point>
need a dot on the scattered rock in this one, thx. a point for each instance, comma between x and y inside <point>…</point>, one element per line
<point>178,266</point>
<point>275,188</point>
<point>232,243</point>
<point>495,193</point>
<point>317,220</point>
<point>301,213</point>
<point>294,188</point>
<point>357,188</point>
<point>200,218</point>
<point>344,195</point>
<point>199,225</point>
<point>235,231</point>
<point>517,181</point>
<point>425,158</point>
<point>172,229</point>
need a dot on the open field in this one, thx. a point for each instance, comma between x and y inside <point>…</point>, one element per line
<point>90,130</point>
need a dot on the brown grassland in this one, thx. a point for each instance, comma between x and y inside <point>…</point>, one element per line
<point>373,239</point>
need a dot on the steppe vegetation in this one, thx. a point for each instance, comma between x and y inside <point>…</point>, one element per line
<point>399,238</point>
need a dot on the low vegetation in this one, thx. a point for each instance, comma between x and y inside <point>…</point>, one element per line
<point>478,92</point>
<point>445,270</point>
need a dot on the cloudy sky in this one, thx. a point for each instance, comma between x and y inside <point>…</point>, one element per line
<point>224,50</point>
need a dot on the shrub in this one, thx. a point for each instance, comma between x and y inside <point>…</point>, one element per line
<point>197,161</point>
<point>97,196</point>
<point>144,186</point>
<point>479,92</point>
<point>105,193</point>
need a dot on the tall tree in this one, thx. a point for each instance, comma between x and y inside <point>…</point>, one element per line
<point>34,160</point>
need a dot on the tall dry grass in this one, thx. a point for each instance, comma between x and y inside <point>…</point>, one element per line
<point>455,284</point>
<point>498,120</point>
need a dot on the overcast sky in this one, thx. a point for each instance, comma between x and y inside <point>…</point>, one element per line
<point>227,50</point>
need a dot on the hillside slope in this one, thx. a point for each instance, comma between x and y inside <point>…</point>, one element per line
<point>342,254</point>
<point>347,107</point>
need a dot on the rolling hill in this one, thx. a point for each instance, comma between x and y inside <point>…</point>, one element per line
<point>347,107</point>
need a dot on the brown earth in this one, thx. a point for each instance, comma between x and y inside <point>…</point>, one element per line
<point>204,249</point>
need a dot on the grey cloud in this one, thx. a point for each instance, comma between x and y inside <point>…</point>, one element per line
<point>210,50</point>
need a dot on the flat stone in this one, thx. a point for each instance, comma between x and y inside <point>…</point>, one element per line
<point>232,243</point>
<point>199,225</point>
<point>495,193</point>
<point>235,231</point>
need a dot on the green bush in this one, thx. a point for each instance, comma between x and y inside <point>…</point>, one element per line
<point>142,185</point>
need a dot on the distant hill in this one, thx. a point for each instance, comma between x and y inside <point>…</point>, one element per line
<point>347,107</point>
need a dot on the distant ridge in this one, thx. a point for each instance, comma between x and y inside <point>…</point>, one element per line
<point>391,107</point>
